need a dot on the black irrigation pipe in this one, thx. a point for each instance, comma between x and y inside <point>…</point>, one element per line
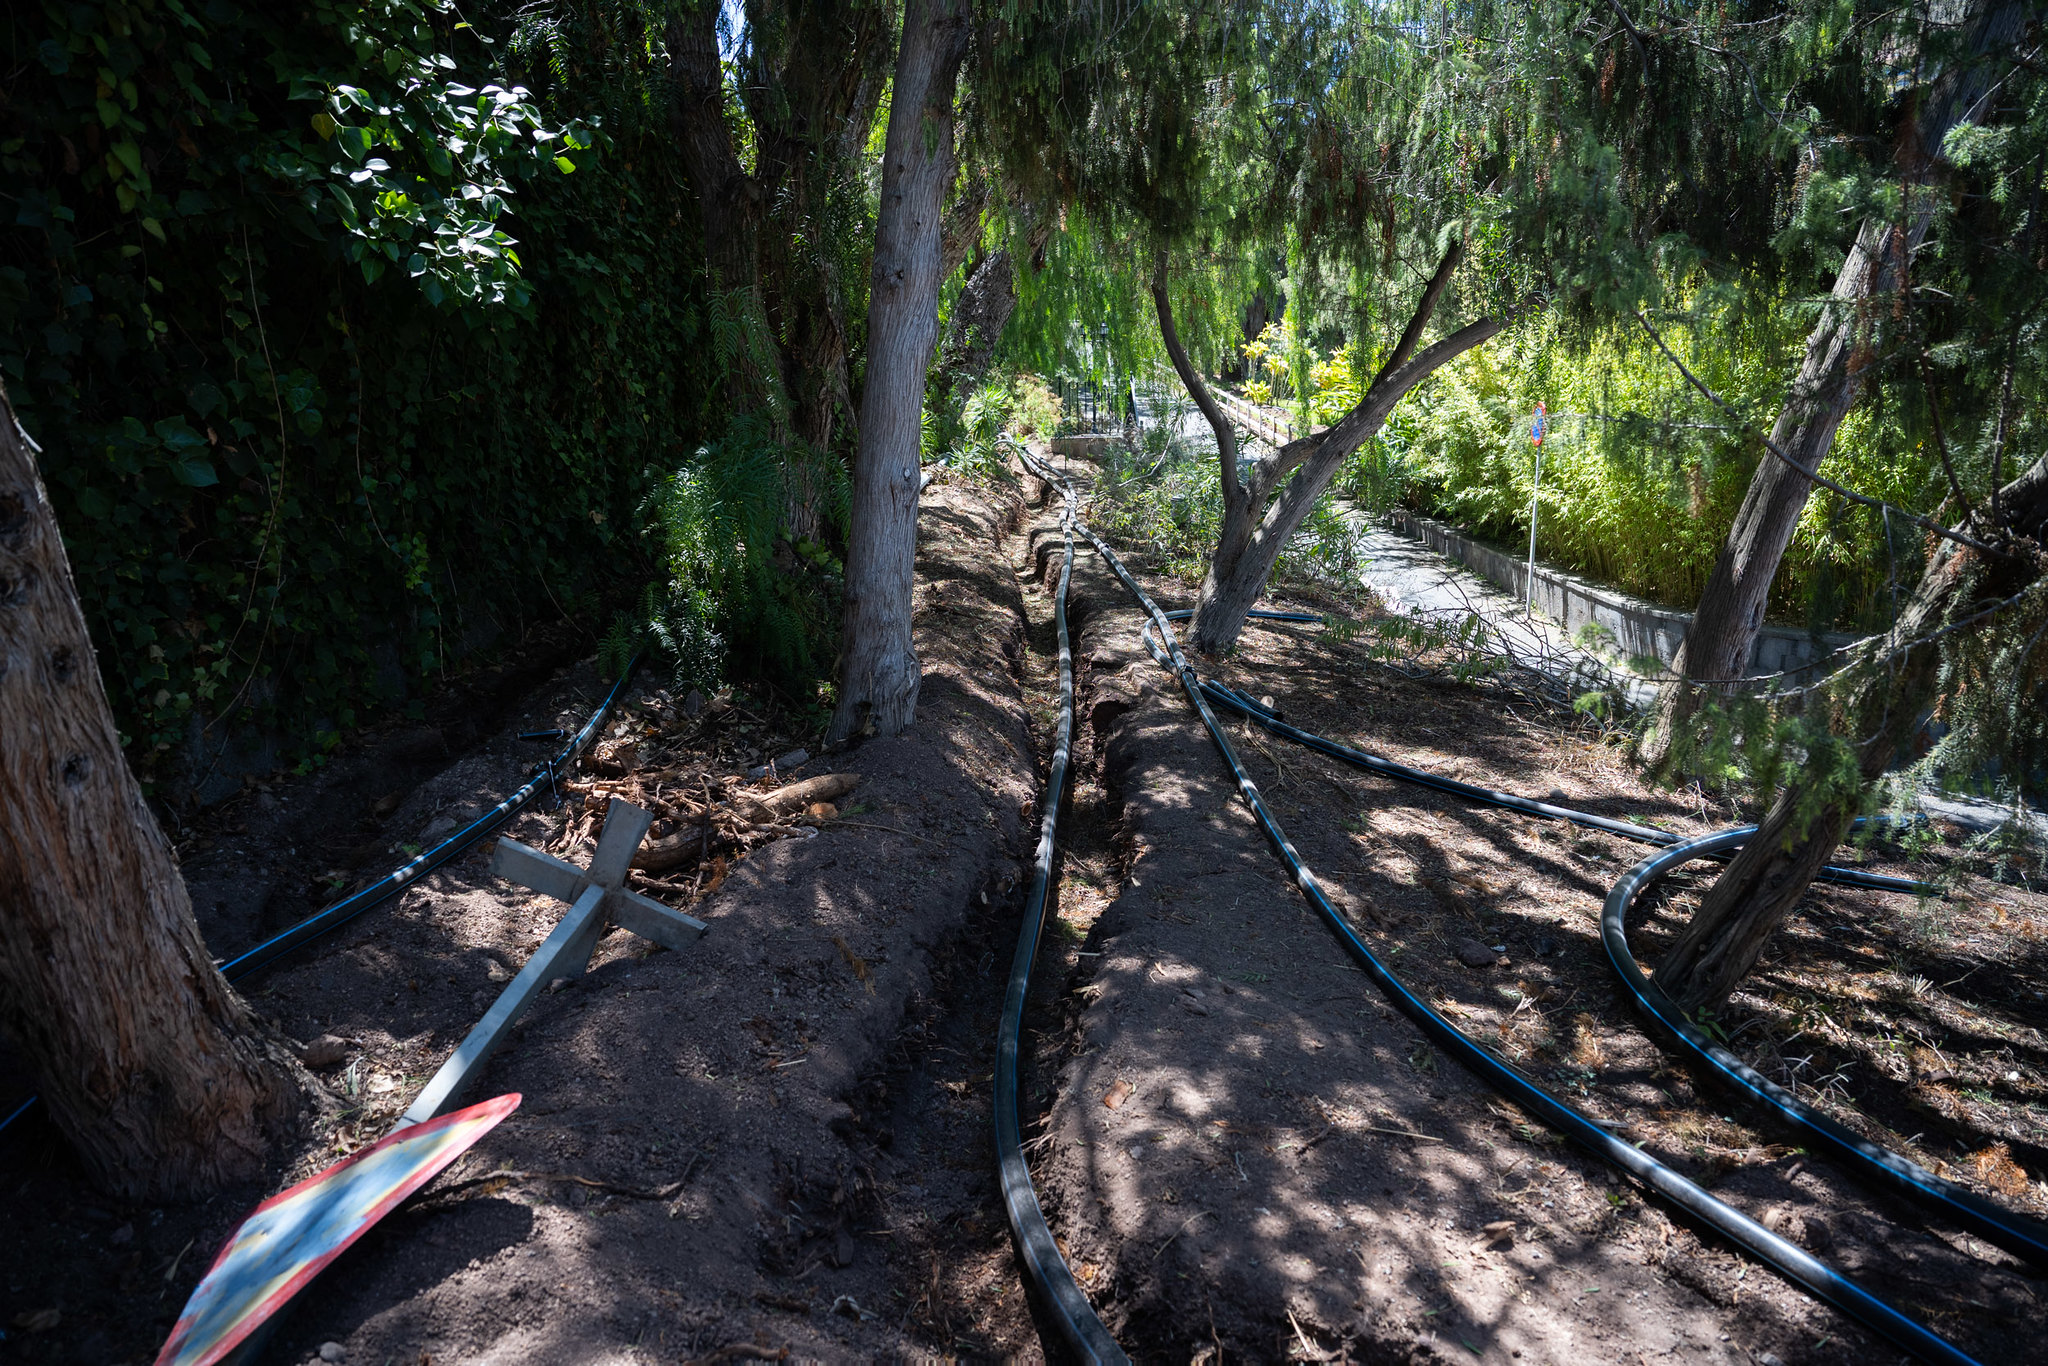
<point>2017,1233</point>
<point>1066,1307</point>
<point>398,879</point>
<point>1789,1260</point>
<point>1387,768</point>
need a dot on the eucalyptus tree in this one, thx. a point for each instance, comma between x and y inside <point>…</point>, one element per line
<point>878,676</point>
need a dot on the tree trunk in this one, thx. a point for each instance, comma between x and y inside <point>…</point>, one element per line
<point>1882,708</point>
<point>1256,526</point>
<point>878,677</point>
<point>1731,608</point>
<point>979,316</point>
<point>149,1062</point>
<point>813,84</point>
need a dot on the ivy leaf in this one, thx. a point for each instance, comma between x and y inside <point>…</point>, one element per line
<point>195,473</point>
<point>129,155</point>
<point>564,165</point>
<point>324,124</point>
<point>354,142</point>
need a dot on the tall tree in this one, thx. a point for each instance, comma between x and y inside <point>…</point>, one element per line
<point>1257,525</point>
<point>1973,621</point>
<point>807,79</point>
<point>878,672</point>
<point>1845,346</point>
<point>149,1061</point>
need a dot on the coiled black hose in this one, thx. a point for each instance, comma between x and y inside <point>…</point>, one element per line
<point>398,879</point>
<point>2015,1232</point>
<point>1789,1260</point>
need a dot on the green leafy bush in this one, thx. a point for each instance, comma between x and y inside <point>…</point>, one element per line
<point>740,594</point>
<point>1642,478</point>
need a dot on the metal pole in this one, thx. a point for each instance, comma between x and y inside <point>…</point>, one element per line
<point>1529,588</point>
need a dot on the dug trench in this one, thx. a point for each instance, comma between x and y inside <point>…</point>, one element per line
<point>1251,1157</point>
<point>774,1144</point>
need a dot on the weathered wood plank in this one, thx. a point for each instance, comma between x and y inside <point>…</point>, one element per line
<point>564,953</point>
<point>649,919</point>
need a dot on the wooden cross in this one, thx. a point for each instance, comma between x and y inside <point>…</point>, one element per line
<point>596,902</point>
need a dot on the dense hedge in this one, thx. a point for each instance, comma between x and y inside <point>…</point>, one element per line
<point>339,355</point>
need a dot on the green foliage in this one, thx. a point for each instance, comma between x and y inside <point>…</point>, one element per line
<point>739,594</point>
<point>304,409</point>
<point>1035,409</point>
<point>1641,477</point>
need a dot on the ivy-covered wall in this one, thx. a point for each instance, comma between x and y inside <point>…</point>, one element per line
<point>342,351</point>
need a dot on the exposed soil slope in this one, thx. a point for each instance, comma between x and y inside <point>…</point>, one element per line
<point>749,1080</point>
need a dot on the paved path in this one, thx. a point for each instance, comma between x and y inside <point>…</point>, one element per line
<point>1415,580</point>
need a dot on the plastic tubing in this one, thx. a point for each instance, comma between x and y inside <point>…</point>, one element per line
<point>1788,1260</point>
<point>398,879</point>
<point>2016,1233</point>
<point>1066,1308</point>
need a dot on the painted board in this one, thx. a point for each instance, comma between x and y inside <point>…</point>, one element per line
<point>289,1238</point>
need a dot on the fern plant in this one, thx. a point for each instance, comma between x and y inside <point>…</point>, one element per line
<point>741,595</point>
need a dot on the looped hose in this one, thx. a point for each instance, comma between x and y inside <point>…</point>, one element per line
<point>1787,1259</point>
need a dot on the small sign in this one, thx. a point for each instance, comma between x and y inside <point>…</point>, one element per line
<point>1537,427</point>
<point>291,1237</point>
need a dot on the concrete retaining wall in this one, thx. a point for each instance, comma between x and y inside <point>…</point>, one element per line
<point>1639,629</point>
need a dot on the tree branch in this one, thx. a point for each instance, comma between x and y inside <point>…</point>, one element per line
<point>1924,523</point>
<point>1635,36</point>
<point>1226,438</point>
<point>1424,310</point>
<point>1955,486</point>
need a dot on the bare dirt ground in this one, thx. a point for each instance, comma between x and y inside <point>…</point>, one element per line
<point>1252,1157</point>
<point>777,1144</point>
<point>773,1144</point>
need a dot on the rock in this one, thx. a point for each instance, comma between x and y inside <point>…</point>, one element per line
<point>1556,797</point>
<point>326,1051</point>
<point>438,828</point>
<point>497,971</point>
<point>1546,946</point>
<point>1810,1231</point>
<point>796,758</point>
<point>1474,954</point>
<point>333,1351</point>
<point>122,1236</point>
<point>558,985</point>
<point>693,703</point>
<point>387,804</point>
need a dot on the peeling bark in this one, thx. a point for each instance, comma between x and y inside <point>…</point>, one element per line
<point>1882,711</point>
<point>150,1063</point>
<point>1731,608</point>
